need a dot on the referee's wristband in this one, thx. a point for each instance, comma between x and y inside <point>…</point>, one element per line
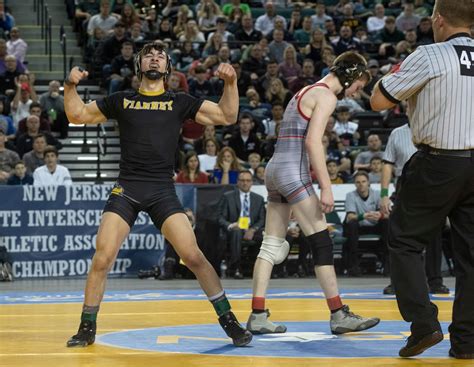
<point>360,217</point>
<point>383,193</point>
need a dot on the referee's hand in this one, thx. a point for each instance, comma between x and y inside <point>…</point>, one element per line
<point>226,72</point>
<point>76,75</point>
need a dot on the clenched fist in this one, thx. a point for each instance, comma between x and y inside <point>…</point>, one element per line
<point>76,75</point>
<point>226,72</point>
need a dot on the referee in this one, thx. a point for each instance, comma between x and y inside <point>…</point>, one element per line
<point>438,180</point>
<point>398,151</point>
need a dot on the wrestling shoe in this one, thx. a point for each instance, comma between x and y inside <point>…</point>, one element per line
<point>258,323</point>
<point>85,335</point>
<point>344,321</point>
<point>234,330</point>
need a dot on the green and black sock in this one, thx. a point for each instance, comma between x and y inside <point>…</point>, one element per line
<point>221,303</point>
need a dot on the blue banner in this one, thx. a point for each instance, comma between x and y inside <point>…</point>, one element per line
<point>51,231</point>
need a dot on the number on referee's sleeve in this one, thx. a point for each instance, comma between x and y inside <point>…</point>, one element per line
<point>466,59</point>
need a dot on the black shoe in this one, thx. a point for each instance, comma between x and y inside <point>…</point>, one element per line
<point>417,345</point>
<point>388,290</point>
<point>85,335</point>
<point>439,289</point>
<point>234,330</point>
<point>453,354</point>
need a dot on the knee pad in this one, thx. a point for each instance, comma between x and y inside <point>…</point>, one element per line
<point>274,249</point>
<point>321,248</point>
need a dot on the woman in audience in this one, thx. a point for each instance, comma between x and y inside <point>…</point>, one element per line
<point>227,167</point>
<point>277,92</point>
<point>289,68</point>
<point>209,158</point>
<point>191,172</point>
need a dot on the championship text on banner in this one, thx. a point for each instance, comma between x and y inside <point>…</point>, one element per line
<point>51,231</point>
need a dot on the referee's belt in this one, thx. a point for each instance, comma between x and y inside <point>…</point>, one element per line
<point>467,153</point>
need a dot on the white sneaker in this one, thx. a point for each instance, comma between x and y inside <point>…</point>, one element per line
<point>344,321</point>
<point>258,323</point>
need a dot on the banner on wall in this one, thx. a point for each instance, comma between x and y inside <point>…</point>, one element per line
<point>51,231</point>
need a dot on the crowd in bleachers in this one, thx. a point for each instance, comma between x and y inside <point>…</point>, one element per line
<point>276,47</point>
<point>27,119</point>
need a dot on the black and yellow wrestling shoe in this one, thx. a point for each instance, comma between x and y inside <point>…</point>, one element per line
<point>85,335</point>
<point>234,330</point>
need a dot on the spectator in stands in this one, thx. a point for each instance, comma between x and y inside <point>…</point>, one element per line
<point>51,173</point>
<point>35,109</point>
<point>129,16</point>
<point>17,46</point>
<point>35,158</point>
<point>265,23</point>
<point>259,175</point>
<point>25,141</point>
<point>191,172</point>
<point>6,123</point>
<point>422,8</point>
<point>363,159</point>
<point>227,8</point>
<point>247,34</point>
<point>424,32</point>
<point>296,21</point>
<point>375,171</point>
<point>182,17</point>
<point>103,20</point>
<point>346,130</point>
<point>302,36</point>
<point>165,30</point>
<point>390,33</point>
<point>8,159</point>
<point>363,216</point>
<point>335,176</point>
<point>278,93</point>
<point>255,63</point>
<point>150,24</point>
<point>277,46</point>
<point>192,34</point>
<point>3,55</point>
<point>121,67</point>
<point>6,19</point>
<point>306,77</point>
<point>21,102</point>
<point>321,68</point>
<point>348,19</point>
<point>208,12</point>
<point>407,19</point>
<point>86,9</point>
<point>280,25</point>
<point>136,34</point>
<point>336,151</point>
<point>320,17</point>
<point>207,161</point>
<point>200,86</point>
<point>259,110</point>
<point>8,78</point>
<point>112,45</point>
<point>241,218</point>
<point>132,83</point>
<point>289,67</point>
<point>245,142</point>
<point>221,24</point>
<point>331,35</point>
<point>227,167</point>
<point>347,42</point>
<point>213,45</point>
<point>254,160</point>
<point>186,55</point>
<point>313,50</point>
<point>376,22</point>
<point>270,125</point>
<point>52,102</point>
<point>20,176</point>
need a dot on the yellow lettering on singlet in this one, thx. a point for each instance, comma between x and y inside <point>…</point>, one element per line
<point>154,106</point>
<point>127,103</point>
<point>146,105</point>
<point>138,106</point>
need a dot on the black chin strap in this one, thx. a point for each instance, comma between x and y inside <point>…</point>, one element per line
<point>154,74</point>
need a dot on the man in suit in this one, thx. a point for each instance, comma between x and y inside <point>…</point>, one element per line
<point>241,218</point>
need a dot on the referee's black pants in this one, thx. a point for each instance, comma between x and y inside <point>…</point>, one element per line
<point>434,187</point>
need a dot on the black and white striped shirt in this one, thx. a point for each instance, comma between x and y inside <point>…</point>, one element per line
<point>438,82</point>
<point>399,148</point>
